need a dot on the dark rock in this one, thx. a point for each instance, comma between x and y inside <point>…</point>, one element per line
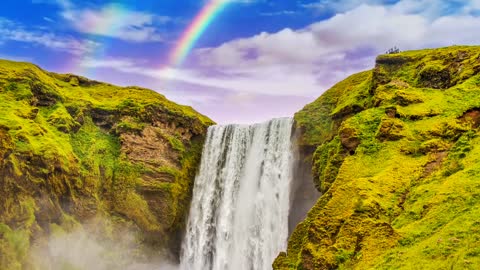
<point>392,60</point>
<point>104,118</point>
<point>349,139</point>
<point>43,95</point>
<point>471,117</point>
<point>391,112</point>
<point>435,77</point>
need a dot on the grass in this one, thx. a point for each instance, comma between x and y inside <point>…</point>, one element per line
<point>407,197</point>
<point>64,154</point>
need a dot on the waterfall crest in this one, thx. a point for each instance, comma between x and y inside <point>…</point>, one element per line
<point>239,214</point>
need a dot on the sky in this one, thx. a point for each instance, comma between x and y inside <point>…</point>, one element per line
<point>251,61</point>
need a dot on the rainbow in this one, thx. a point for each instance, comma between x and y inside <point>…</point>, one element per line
<point>196,28</point>
<point>175,57</point>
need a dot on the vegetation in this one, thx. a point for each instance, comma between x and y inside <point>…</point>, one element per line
<point>393,50</point>
<point>74,150</point>
<point>398,161</point>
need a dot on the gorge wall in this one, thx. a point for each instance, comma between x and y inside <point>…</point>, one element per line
<point>75,152</point>
<point>397,159</point>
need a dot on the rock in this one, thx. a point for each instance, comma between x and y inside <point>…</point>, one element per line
<point>43,95</point>
<point>435,77</point>
<point>471,117</point>
<point>391,112</point>
<point>404,98</point>
<point>349,139</point>
<point>386,66</point>
<point>391,130</point>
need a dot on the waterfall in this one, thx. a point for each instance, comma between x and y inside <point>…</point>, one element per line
<point>239,213</point>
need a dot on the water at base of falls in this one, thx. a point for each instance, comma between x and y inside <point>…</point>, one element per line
<point>239,214</point>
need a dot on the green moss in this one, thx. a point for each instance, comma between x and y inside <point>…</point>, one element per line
<point>68,154</point>
<point>343,255</point>
<point>328,159</point>
<point>176,144</point>
<point>14,247</point>
<point>401,168</point>
<point>345,98</point>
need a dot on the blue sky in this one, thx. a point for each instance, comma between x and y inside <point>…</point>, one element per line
<point>257,60</point>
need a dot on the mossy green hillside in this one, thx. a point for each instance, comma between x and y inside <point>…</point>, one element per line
<point>398,161</point>
<point>72,149</point>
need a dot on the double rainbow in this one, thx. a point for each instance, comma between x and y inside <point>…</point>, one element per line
<point>177,55</point>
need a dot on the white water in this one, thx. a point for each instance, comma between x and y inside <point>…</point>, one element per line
<point>239,214</point>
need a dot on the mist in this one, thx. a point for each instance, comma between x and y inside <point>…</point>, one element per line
<point>82,249</point>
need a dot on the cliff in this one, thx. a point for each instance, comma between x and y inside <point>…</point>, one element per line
<point>397,158</point>
<point>76,151</point>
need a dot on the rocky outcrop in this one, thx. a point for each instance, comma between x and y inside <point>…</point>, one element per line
<point>76,151</point>
<point>397,160</point>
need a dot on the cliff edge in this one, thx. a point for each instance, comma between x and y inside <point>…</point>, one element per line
<point>76,151</point>
<point>397,158</point>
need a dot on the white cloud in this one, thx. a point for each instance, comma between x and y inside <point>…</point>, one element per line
<point>337,6</point>
<point>115,21</point>
<point>428,8</point>
<point>48,19</point>
<point>239,1</point>
<point>264,49</point>
<point>308,60</point>
<point>278,13</point>
<point>370,26</point>
<point>11,31</point>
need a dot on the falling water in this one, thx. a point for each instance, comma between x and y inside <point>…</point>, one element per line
<point>239,214</point>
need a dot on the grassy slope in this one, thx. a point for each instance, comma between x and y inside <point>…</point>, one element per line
<point>398,160</point>
<point>62,161</point>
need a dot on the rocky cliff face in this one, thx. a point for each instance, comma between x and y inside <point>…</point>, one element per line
<point>74,151</point>
<point>397,158</point>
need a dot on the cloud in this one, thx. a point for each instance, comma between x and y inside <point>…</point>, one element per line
<point>308,60</point>
<point>278,13</point>
<point>339,6</point>
<point>48,19</point>
<point>114,21</point>
<point>269,81</point>
<point>12,31</point>
<point>240,1</point>
<point>117,22</point>
<point>427,8</point>
<point>213,97</point>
